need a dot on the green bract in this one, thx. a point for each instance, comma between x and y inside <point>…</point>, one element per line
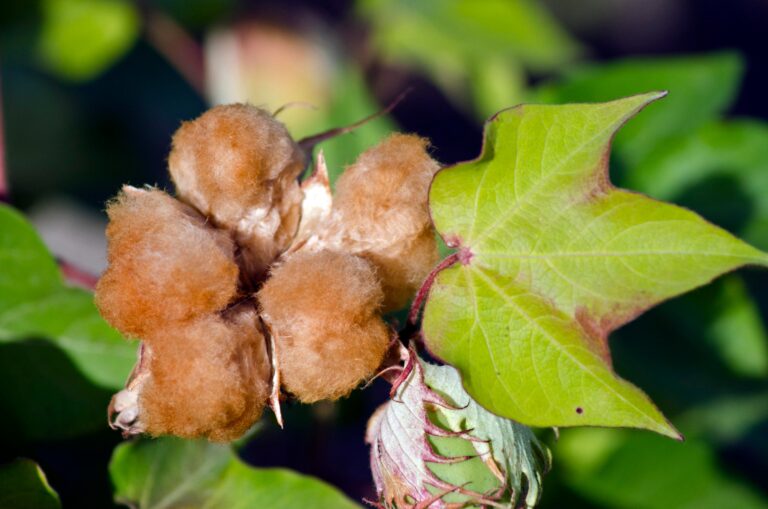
<point>552,259</point>
<point>432,445</point>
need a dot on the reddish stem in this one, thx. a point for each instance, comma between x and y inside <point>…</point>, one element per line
<point>413,314</point>
<point>77,276</point>
<point>178,47</point>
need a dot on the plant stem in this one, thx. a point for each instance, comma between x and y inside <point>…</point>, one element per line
<point>177,46</point>
<point>77,276</point>
<point>421,295</point>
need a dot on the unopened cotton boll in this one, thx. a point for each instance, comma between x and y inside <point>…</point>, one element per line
<point>165,264</point>
<point>322,309</point>
<point>239,166</point>
<point>207,378</point>
<point>380,211</point>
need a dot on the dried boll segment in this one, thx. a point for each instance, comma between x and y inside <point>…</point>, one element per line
<point>380,211</point>
<point>165,264</point>
<point>207,378</point>
<point>239,166</point>
<point>322,309</point>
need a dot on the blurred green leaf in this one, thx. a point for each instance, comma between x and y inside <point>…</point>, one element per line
<point>35,303</point>
<point>462,44</point>
<point>622,469</point>
<point>170,473</point>
<point>23,486</point>
<point>700,88</point>
<point>725,318</point>
<point>81,38</point>
<point>50,399</point>
<point>728,419</point>
<point>721,170</point>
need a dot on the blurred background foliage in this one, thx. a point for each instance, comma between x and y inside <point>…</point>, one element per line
<point>93,89</point>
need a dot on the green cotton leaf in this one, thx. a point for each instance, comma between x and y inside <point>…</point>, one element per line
<point>721,172</point>
<point>170,473</point>
<point>622,470</point>
<point>552,258</point>
<point>700,89</point>
<point>82,38</point>
<point>23,486</point>
<point>463,44</point>
<point>35,303</point>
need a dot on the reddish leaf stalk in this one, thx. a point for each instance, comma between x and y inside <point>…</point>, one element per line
<point>463,256</point>
<point>77,276</point>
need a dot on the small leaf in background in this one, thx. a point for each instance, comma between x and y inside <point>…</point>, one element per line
<point>724,318</point>
<point>554,258</point>
<point>170,473</point>
<point>720,170</point>
<point>60,356</point>
<point>82,38</point>
<point>464,45</point>
<point>621,469</point>
<point>700,89</point>
<point>35,303</point>
<point>23,486</point>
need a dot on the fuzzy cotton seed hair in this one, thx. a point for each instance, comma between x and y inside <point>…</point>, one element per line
<point>208,378</point>
<point>323,311</point>
<point>165,264</point>
<point>380,211</point>
<point>239,166</point>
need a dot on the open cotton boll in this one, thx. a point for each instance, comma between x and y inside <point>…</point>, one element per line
<point>208,378</point>
<point>380,211</point>
<point>322,309</point>
<point>239,166</point>
<point>165,263</point>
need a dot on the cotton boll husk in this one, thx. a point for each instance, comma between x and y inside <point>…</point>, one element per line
<point>239,166</point>
<point>380,211</point>
<point>165,263</point>
<point>208,378</point>
<point>322,309</point>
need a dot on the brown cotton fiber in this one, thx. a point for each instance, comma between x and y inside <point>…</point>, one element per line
<point>239,166</point>
<point>381,212</point>
<point>208,378</point>
<point>323,311</point>
<point>165,264</point>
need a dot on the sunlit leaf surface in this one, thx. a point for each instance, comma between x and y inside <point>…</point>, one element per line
<point>552,259</point>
